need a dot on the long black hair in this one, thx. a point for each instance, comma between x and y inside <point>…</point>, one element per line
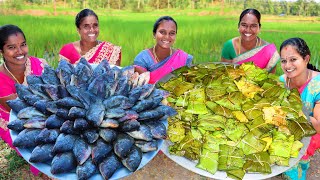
<point>163,18</point>
<point>82,14</point>
<point>301,47</point>
<point>254,12</point>
<point>6,31</point>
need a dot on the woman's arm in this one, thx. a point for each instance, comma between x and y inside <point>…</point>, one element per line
<point>315,120</point>
<point>139,70</point>
<point>226,60</point>
<point>3,100</point>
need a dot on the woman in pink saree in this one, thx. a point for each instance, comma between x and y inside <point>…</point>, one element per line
<point>161,59</point>
<point>249,47</point>
<point>88,47</point>
<point>16,66</point>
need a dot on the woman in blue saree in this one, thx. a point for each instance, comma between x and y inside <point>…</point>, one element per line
<point>300,74</point>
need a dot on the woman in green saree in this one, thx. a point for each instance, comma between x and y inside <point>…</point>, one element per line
<point>248,47</point>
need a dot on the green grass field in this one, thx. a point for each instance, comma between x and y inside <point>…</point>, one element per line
<point>199,34</point>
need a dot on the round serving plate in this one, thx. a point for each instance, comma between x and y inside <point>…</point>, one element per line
<point>45,168</point>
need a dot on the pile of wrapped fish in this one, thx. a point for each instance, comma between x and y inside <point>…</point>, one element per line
<point>89,120</point>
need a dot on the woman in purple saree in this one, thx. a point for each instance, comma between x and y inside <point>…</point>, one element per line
<point>161,59</point>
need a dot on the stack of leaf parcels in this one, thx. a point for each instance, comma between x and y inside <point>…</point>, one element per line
<point>236,119</point>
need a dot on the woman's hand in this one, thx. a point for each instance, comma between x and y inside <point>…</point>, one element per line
<point>315,120</point>
<point>3,100</point>
<point>226,60</point>
<point>316,124</point>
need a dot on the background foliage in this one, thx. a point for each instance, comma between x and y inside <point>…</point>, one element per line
<point>275,7</point>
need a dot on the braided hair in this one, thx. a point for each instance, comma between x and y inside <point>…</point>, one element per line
<point>301,47</point>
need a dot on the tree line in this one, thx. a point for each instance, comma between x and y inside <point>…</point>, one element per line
<point>275,7</point>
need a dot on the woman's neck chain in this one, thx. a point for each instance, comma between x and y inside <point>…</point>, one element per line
<point>289,79</point>
<point>155,55</point>
<point>258,43</point>
<point>5,66</point>
<point>82,51</point>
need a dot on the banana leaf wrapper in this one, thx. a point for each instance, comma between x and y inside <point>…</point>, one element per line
<point>237,174</point>
<point>259,127</point>
<point>231,101</point>
<point>253,73</point>
<point>250,110</point>
<point>211,122</point>
<point>231,86</point>
<point>297,145</point>
<point>258,163</point>
<point>250,144</point>
<point>219,110</point>
<point>247,88</point>
<point>275,115</point>
<point>210,151</point>
<point>181,101</point>
<point>208,161</point>
<point>300,130</point>
<point>230,158</point>
<point>171,84</point>
<point>293,101</point>
<point>240,116</point>
<point>184,116</point>
<point>235,73</point>
<point>274,91</point>
<point>182,87</point>
<point>234,130</point>
<point>176,131</point>
<point>280,161</point>
<point>215,93</point>
<point>188,147</point>
<point>281,145</point>
<point>196,107</point>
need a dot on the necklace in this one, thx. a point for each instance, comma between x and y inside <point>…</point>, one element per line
<point>257,41</point>
<point>155,55</point>
<point>82,51</point>
<point>5,66</point>
<point>289,80</point>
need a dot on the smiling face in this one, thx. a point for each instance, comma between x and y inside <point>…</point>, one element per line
<point>166,34</point>
<point>15,49</point>
<point>89,29</point>
<point>292,63</point>
<point>249,27</point>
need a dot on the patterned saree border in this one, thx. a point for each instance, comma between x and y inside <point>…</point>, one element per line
<point>248,54</point>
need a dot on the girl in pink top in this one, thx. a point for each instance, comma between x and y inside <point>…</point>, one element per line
<point>16,66</point>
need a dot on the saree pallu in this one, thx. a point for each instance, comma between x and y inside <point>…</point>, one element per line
<point>146,62</point>
<point>33,66</point>
<point>265,57</point>
<point>104,50</point>
<point>310,95</point>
